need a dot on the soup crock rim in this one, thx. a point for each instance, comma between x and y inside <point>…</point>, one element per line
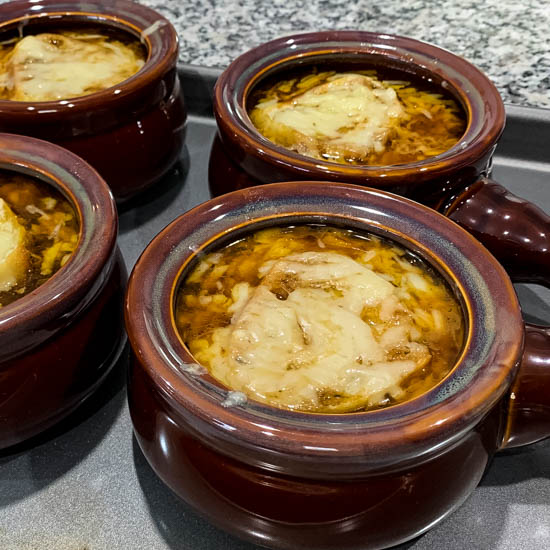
<point>484,373</point>
<point>125,15</point>
<point>98,226</point>
<point>486,116</point>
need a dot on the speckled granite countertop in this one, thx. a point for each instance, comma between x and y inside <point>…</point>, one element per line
<point>508,39</point>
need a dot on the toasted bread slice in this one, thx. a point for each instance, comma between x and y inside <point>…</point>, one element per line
<point>14,256</point>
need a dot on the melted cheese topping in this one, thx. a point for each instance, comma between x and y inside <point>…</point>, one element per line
<point>38,233</point>
<point>350,115</point>
<point>313,348</point>
<point>13,254</point>
<point>51,66</point>
<point>319,319</point>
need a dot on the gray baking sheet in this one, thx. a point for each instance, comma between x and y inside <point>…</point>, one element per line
<point>85,485</point>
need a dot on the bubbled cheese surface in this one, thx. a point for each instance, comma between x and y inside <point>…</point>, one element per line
<point>49,66</point>
<point>311,348</point>
<point>349,115</point>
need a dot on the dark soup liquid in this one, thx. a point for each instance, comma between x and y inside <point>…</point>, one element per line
<point>320,319</point>
<point>39,231</point>
<point>356,117</point>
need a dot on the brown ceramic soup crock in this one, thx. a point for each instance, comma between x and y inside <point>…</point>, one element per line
<point>357,480</point>
<point>454,182</point>
<point>131,133</point>
<point>58,342</point>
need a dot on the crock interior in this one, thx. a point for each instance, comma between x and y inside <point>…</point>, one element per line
<point>474,91</point>
<point>431,262</point>
<point>112,27</point>
<point>386,67</point>
<point>46,183</point>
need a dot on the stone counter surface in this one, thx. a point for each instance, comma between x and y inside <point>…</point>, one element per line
<point>508,39</point>
<point>85,485</point>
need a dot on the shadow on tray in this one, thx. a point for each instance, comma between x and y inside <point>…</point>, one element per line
<point>514,466</point>
<point>179,525</point>
<point>155,200</point>
<point>487,519</point>
<point>535,303</point>
<point>41,460</point>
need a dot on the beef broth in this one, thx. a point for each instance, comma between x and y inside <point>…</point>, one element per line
<point>320,319</point>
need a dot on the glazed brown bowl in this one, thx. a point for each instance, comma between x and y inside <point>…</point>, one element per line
<point>58,342</point>
<point>454,182</point>
<point>131,133</point>
<point>358,480</point>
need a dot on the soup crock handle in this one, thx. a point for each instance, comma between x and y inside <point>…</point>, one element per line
<point>529,405</point>
<point>518,234</point>
<point>514,230</point>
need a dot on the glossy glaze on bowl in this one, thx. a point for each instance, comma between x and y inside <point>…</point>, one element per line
<point>268,475</point>
<point>58,342</point>
<point>252,159</point>
<point>131,133</point>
